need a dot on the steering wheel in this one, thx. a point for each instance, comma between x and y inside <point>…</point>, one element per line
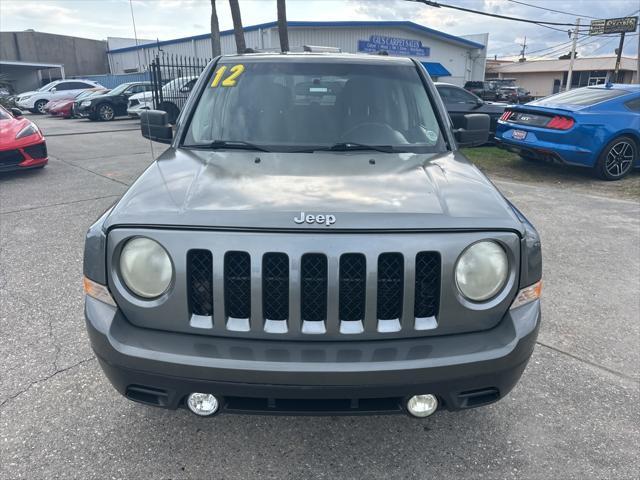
<point>373,133</point>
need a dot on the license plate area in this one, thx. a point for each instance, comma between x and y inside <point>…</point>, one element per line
<point>519,134</point>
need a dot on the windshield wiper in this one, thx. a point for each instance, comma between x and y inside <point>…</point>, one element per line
<point>351,146</point>
<point>232,144</point>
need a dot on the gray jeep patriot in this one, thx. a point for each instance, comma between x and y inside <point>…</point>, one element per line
<point>313,242</point>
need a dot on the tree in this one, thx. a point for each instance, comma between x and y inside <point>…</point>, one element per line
<point>282,26</point>
<point>215,31</point>
<point>567,56</point>
<point>238,32</point>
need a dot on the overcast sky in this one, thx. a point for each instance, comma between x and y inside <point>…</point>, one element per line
<point>166,19</point>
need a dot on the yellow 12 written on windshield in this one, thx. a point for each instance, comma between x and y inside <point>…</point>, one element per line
<point>228,80</point>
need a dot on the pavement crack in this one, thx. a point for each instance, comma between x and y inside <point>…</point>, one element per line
<point>59,204</point>
<point>45,379</point>
<point>588,362</point>
<point>66,162</point>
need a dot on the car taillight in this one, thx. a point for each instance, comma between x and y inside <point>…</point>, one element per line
<point>560,123</point>
<point>505,116</point>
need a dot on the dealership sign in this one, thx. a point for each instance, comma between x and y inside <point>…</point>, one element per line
<point>393,46</point>
<point>613,25</point>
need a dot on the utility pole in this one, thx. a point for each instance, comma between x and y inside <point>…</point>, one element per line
<point>524,47</point>
<point>619,54</point>
<point>573,54</point>
<point>638,61</point>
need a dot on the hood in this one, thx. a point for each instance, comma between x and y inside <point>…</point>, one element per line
<point>362,190</point>
<point>24,94</point>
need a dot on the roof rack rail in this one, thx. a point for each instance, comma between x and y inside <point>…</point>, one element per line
<point>318,48</point>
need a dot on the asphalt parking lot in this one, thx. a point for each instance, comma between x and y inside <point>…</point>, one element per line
<point>575,414</point>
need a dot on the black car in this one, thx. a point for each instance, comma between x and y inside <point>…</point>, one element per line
<point>484,90</point>
<point>113,104</point>
<point>459,102</point>
<point>515,95</point>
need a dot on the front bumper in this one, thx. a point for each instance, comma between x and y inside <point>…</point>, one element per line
<point>26,104</point>
<point>161,368</point>
<point>22,159</point>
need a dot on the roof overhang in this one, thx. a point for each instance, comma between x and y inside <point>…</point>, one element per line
<point>31,65</point>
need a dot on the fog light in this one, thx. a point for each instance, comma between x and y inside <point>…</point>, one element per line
<point>422,405</point>
<point>203,404</point>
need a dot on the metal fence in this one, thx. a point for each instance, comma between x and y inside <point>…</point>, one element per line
<point>172,79</point>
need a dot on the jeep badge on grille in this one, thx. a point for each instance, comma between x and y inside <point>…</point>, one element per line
<point>328,220</point>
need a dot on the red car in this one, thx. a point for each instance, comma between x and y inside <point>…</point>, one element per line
<point>61,108</point>
<point>22,145</point>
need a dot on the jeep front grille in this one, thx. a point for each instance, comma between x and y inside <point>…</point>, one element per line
<point>353,283</point>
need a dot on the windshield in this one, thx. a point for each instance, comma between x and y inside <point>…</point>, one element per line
<point>120,88</point>
<point>47,86</point>
<point>581,96</point>
<point>289,106</point>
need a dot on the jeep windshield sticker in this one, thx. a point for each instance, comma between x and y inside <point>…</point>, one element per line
<point>431,135</point>
<point>230,80</point>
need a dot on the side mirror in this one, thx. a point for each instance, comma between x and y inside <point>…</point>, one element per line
<point>479,102</point>
<point>16,112</point>
<point>474,131</point>
<point>53,90</point>
<point>154,125</point>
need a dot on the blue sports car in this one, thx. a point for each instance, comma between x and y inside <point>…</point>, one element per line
<point>596,127</point>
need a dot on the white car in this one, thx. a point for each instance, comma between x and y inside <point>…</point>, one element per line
<point>35,100</point>
<point>174,95</point>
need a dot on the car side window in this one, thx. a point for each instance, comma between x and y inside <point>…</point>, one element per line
<point>136,89</point>
<point>72,86</point>
<point>458,95</point>
<point>633,105</point>
<point>445,94</point>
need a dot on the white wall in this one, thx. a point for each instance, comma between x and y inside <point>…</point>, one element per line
<point>463,63</point>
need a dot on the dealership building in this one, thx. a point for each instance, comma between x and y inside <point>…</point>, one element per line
<point>448,58</point>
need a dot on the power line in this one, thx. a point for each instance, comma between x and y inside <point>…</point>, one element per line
<point>432,3</point>
<point>552,10</point>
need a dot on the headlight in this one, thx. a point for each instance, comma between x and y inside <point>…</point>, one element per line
<point>482,271</point>
<point>145,267</point>
<point>26,131</point>
<point>26,97</point>
<point>86,103</point>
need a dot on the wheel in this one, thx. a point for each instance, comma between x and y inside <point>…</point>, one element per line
<point>105,112</point>
<point>617,158</point>
<point>38,107</point>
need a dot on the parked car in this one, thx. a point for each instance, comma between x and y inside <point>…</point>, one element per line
<point>35,101</point>
<point>75,107</point>
<point>483,89</point>
<point>459,102</point>
<point>64,107</point>
<point>174,96</point>
<point>515,95</point>
<point>113,104</point>
<point>301,250</point>
<point>22,145</point>
<point>53,103</point>
<point>596,127</point>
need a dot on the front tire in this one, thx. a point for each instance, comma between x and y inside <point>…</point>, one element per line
<point>38,107</point>
<point>617,158</point>
<point>106,112</point>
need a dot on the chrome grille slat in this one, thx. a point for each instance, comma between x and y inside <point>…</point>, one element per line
<point>313,294</point>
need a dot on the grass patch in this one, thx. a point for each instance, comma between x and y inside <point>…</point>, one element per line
<point>500,163</point>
